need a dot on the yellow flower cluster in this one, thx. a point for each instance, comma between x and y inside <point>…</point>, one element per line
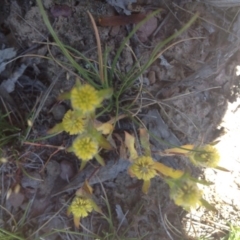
<point>80,121</point>
<point>85,99</point>
<point>206,156</point>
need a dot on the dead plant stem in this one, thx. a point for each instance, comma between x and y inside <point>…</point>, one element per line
<point>100,60</point>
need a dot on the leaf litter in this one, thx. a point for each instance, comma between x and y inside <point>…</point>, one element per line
<point>188,106</point>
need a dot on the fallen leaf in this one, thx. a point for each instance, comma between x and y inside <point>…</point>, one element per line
<point>113,21</point>
<point>130,142</point>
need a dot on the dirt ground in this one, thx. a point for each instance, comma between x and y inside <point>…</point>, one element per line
<point>190,94</point>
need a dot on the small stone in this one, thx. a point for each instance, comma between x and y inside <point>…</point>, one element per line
<point>147,29</point>
<point>67,170</point>
<point>58,112</point>
<point>114,31</point>
<point>152,77</point>
<point>47,3</point>
<point>53,168</point>
<point>32,180</point>
<point>146,81</point>
<point>16,199</point>
<point>61,11</point>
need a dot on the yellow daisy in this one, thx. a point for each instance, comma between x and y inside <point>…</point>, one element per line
<point>85,148</point>
<point>80,207</point>
<point>85,98</point>
<point>146,168</point>
<point>73,123</point>
<point>185,193</point>
<point>82,204</point>
<point>143,168</point>
<point>205,156</point>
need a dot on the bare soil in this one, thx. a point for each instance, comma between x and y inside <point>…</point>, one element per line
<point>186,93</point>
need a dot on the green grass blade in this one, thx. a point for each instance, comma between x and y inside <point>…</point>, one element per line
<point>81,70</point>
<point>127,39</point>
<point>9,235</point>
<point>155,54</point>
<point>88,62</point>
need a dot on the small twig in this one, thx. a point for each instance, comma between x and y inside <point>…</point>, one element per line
<point>138,145</point>
<point>171,227</point>
<point>189,93</point>
<point>42,102</point>
<point>6,109</point>
<point>19,16</point>
<point>15,223</point>
<point>83,53</point>
<point>203,19</point>
<point>140,80</point>
<point>87,230</point>
<point>100,60</point>
<point>61,65</point>
<point>163,223</point>
<point>161,25</point>
<point>143,45</point>
<point>27,55</point>
<point>175,43</point>
<point>50,219</point>
<point>230,25</point>
<point>59,148</point>
<point>44,145</point>
<point>207,220</point>
<point>170,10</point>
<point>44,166</point>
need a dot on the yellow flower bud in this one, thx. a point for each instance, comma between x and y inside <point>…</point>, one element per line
<point>3,160</point>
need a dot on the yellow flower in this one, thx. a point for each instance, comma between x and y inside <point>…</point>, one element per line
<point>146,168</point>
<point>85,148</point>
<point>82,204</point>
<point>85,98</point>
<point>73,123</point>
<point>143,168</point>
<point>206,156</point>
<point>80,207</point>
<point>185,193</point>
